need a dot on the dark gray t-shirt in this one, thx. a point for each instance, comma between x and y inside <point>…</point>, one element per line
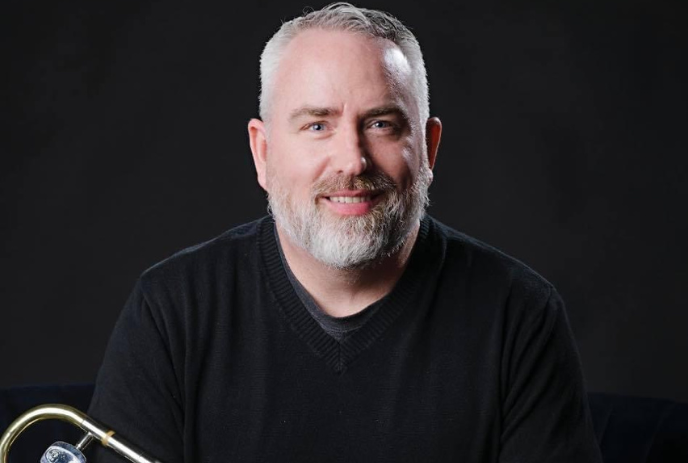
<point>337,327</point>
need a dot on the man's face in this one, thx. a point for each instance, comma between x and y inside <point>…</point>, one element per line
<point>345,165</point>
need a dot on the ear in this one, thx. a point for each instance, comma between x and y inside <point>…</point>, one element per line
<point>433,133</point>
<point>259,148</point>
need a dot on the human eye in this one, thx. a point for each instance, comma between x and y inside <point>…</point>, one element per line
<point>384,126</point>
<point>315,127</point>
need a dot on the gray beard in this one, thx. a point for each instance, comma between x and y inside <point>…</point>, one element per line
<point>355,241</point>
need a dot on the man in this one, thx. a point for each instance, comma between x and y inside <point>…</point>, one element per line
<point>351,327</point>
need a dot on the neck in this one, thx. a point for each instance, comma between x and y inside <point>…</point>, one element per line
<point>343,292</point>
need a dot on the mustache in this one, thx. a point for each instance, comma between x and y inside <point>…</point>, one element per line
<point>376,181</point>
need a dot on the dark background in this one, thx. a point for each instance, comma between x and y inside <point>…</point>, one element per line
<point>124,140</point>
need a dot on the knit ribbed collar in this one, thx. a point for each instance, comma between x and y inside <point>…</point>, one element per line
<point>338,355</point>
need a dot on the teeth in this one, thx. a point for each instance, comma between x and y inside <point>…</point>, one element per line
<point>349,199</point>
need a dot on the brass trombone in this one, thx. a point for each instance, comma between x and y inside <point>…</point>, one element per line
<point>62,452</point>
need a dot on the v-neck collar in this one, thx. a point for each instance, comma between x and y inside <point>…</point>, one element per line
<point>338,355</point>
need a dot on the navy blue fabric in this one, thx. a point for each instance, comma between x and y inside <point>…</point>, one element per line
<point>628,429</point>
<point>640,430</point>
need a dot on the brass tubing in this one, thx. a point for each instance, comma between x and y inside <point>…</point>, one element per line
<point>75,417</point>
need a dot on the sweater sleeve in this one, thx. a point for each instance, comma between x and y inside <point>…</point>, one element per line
<point>137,393</point>
<point>545,415</point>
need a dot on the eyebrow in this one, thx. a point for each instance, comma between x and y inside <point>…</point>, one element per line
<point>313,111</point>
<point>386,111</point>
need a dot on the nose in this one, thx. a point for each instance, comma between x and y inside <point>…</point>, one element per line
<point>349,155</point>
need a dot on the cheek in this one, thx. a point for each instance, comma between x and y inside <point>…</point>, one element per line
<point>414,154</point>
<point>294,167</point>
<point>411,166</point>
<point>402,166</point>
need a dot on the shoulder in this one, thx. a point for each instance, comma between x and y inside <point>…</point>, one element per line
<point>486,268</point>
<point>205,261</point>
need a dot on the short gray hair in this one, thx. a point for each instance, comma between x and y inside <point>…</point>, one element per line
<point>345,17</point>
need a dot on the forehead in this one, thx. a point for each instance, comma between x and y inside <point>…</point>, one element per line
<point>335,68</point>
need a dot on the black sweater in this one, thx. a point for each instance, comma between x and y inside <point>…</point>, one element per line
<point>469,359</point>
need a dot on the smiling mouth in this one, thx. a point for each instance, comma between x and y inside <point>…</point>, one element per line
<point>350,199</point>
<point>352,202</point>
